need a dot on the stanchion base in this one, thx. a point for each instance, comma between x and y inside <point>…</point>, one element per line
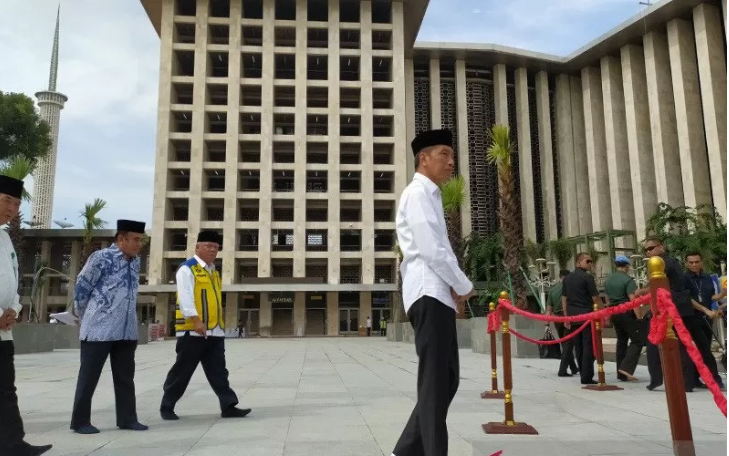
<point>503,428</point>
<point>602,387</point>
<point>492,395</point>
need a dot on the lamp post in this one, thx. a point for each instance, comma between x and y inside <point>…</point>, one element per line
<point>640,270</point>
<point>35,286</point>
<point>541,279</point>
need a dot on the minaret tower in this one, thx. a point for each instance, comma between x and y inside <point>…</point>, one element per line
<point>50,103</point>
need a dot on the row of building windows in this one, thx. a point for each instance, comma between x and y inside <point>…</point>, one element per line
<point>350,269</point>
<point>283,96</point>
<point>283,240</point>
<point>286,10</point>
<point>283,124</point>
<point>282,181</point>
<point>282,210</point>
<point>252,35</point>
<point>317,66</point>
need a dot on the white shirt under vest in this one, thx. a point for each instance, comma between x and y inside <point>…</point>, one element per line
<point>186,294</point>
<point>429,266</point>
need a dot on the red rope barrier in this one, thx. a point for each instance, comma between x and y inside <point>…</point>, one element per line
<point>549,342</point>
<point>658,334</point>
<point>599,315</point>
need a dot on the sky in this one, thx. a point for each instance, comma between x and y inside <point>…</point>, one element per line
<point>109,58</point>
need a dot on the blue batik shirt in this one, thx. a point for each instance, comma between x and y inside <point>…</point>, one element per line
<point>105,296</point>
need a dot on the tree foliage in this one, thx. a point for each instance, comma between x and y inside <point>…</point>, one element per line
<point>562,250</point>
<point>22,132</point>
<point>91,222</point>
<point>684,229</point>
<point>483,257</point>
<point>453,196</point>
<point>20,168</point>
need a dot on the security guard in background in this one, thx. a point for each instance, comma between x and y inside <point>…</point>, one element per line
<point>200,330</point>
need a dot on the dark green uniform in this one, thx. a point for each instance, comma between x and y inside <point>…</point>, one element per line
<point>618,287</point>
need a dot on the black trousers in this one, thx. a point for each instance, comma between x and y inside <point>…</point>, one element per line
<point>628,329</point>
<point>436,344</point>
<point>11,424</point>
<point>191,351</point>
<point>383,332</point>
<point>93,358</point>
<point>582,346</point>
<point>694,325</point>
<point>568,359</point>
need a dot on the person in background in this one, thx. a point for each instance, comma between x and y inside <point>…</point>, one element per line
<point>383,326</point>
<point>368,325</point>
<point>432,286</point>
<point>629,326</point>
<point>105,300</point>
<point>579,294</point>
<point>200,331</point>
<point>701,287</point>
<point>12,434</point>
<point>554,307</point>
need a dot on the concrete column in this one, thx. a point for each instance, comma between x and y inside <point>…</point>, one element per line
<point>637,116</point>
<point>723,8</point>
<point>231,309</point>
<point>662,111</point>
<point>299,262</point>
<point>597,167</point>
<point>162,144</point>
<point>333,167</point>
<point>500,99</point>
<point>410,116</point>
<point>549,198</point>
<point>332,313</point>
<point>690,119</point>
<point>265,316</point>
<point>74,268</point>
<point>162,312</point>
<point>712,74</point>
<point>264,199</point>
<point>463,158</point>
<point>566,153</point>
<point>403,157</point>
<point>365,307</point>
<point>435,110</point>
<point>229,273</point>
<point>43,293</point>
<point>584,208</point>
<point>299,314</point>
<point>524,146</point>
<point>197,145</point>
<point>616,141</point>
<point>368,175</point>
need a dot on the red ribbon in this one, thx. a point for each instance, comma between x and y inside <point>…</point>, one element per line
<point>549,342</point>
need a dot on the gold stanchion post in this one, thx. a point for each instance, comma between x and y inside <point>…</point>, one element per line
<point>678,414</point>
<point>494,393</point>
<point>509,425</point>
<point>601,384</point>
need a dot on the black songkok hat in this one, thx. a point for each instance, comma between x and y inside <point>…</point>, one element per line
<point>130,226</point>
<point>11,187</point>
<point>210,236</point>
<point>432,138</point>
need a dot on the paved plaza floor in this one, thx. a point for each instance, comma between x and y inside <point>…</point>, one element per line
<point>347,397</point>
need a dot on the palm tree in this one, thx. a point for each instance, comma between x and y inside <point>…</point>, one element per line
<point>398,309</point>
<point>563,250</point>
<point>453,194</point>
<point>91,222</point>
<point>500,152</point>
<point>20,168</point>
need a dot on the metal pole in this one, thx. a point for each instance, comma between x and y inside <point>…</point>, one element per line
<point>494,393</point>
<point>597,343</point>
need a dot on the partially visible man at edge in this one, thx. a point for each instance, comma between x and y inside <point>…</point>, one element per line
<point>433,284</point>
<point>554,307</point>
<point>105,300</point>
<point>681,297</point>
<point>12,434</point>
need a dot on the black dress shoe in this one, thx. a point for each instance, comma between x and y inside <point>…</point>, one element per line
<point>168,415</point>
<point>564,374</point>
<point>653,386</point>
<point>590,382</point>
<point>25,449</point>
<point>701,385</point>
<point>136,426</point>
<point>86,430</point>
<point>234,412</point>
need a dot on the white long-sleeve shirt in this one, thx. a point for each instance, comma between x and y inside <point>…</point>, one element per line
<point>186,294</point>
<point>429,266</point>
<point>9,298</point>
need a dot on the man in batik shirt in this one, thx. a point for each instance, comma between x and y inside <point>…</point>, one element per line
<point>105,300</point>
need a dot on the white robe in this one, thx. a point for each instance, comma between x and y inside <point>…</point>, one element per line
<point>9,298</point>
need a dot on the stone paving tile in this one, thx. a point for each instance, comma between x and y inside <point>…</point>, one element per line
<point>351,396</point>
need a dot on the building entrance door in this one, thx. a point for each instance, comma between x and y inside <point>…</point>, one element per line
<point>348,319</point>
<point>249,318</point>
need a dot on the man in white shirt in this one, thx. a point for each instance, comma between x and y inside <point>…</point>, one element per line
<point>432,286</point>
<point>200,331</point>
<point>368,325</point>
<point>12,434</point>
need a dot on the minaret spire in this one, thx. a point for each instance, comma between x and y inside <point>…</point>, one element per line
<point>54,56</point>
